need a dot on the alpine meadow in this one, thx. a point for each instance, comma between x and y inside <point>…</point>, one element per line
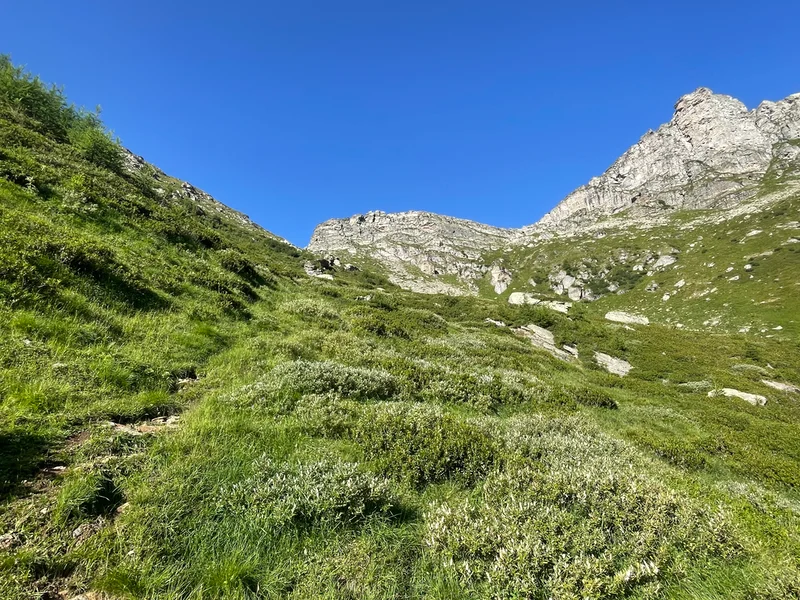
<point>604,404</point>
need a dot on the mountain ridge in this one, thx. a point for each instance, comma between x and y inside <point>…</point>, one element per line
<point>713,154</point>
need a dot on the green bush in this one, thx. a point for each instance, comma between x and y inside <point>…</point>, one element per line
<point>289,381</point>
<point>46,105</point>
<point>484,391</point>
<point>313,309</point>
<point>405,323</point>
<point>581,521</point>
<point>281,495</point>
<point>585,395</point>
<point>327,415</point>
<point>96,146</point>
<point>420,444</point>
<point>236,262</point>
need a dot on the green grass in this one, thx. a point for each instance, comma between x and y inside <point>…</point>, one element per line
<point>331,446</point>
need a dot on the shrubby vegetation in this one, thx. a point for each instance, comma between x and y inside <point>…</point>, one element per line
<point>328,493</point>
<point>418,444</point>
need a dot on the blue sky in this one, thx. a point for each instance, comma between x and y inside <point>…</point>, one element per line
<point>296,112</point>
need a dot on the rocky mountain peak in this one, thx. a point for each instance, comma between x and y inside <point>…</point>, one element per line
<point>713,153</point>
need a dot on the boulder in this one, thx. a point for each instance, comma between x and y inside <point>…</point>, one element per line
<point>520,298</point>
<point>754,399</point>
<point>500,278</point>
<point>664,261</point>
<point>617,366</point>
<point>783,387</point>
<point>619,316</point>
<point>544,339</point>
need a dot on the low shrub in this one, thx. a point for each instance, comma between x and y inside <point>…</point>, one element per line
<point>280,390</point>
<point>327,415</point>
<point>485,391</point>
<point>585,395</point>
<point>405,323</point>
<point>680,453</point>
<point>328,493</point>
<point>96,146</point>
<point>312,309</point>
<point>420,444</point>
<point>579,521</point>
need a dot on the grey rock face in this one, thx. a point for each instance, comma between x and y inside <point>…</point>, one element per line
<point>205,203</point>
<point>500,278</point>
<point>411,243</point>
<point>619,316</point>
<point>711,148</point>
<point>544,339</point>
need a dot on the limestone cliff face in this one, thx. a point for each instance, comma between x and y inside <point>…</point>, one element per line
<point>417,248</point>
<point>713,153</point>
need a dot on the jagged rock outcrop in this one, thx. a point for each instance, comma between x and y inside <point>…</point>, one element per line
<point>713,153</point>
<point>418,247</point>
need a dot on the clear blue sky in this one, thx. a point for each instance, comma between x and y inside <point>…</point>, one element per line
<point>295,111</point>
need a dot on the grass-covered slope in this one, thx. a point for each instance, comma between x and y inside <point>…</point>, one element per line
<point>735,270</point>
<point>184,413</point>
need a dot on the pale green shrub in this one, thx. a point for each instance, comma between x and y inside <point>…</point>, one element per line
<point>280,390</point>
<point>581,521</point>
<point>329,493</point>
<point>327,415</point>
<point>312,309</point>
<point>311,377</point>
<point>420,444</point>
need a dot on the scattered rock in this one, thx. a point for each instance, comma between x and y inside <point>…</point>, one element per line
<point>651,287</point>
<point>152,426</point>
<point>619,316</point>
<point>87,596</point>
<point>9,541</point>
<point>696,386</point>
<point>562,307</point>
<point>617,366</point>
<point>680,283</point>
<point>664,261</point>
<point>313,270</point>
<point>783,387</point>
<point>495,323</point>
<point>754,399</point>
<point>542,338</point>
<point>571,349</point>
<point>748,267</point>
<point>519,298</point>
<point>500,278</point>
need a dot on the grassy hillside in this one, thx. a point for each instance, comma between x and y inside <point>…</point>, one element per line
<point>731,272</point>
<point>184,413</point>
